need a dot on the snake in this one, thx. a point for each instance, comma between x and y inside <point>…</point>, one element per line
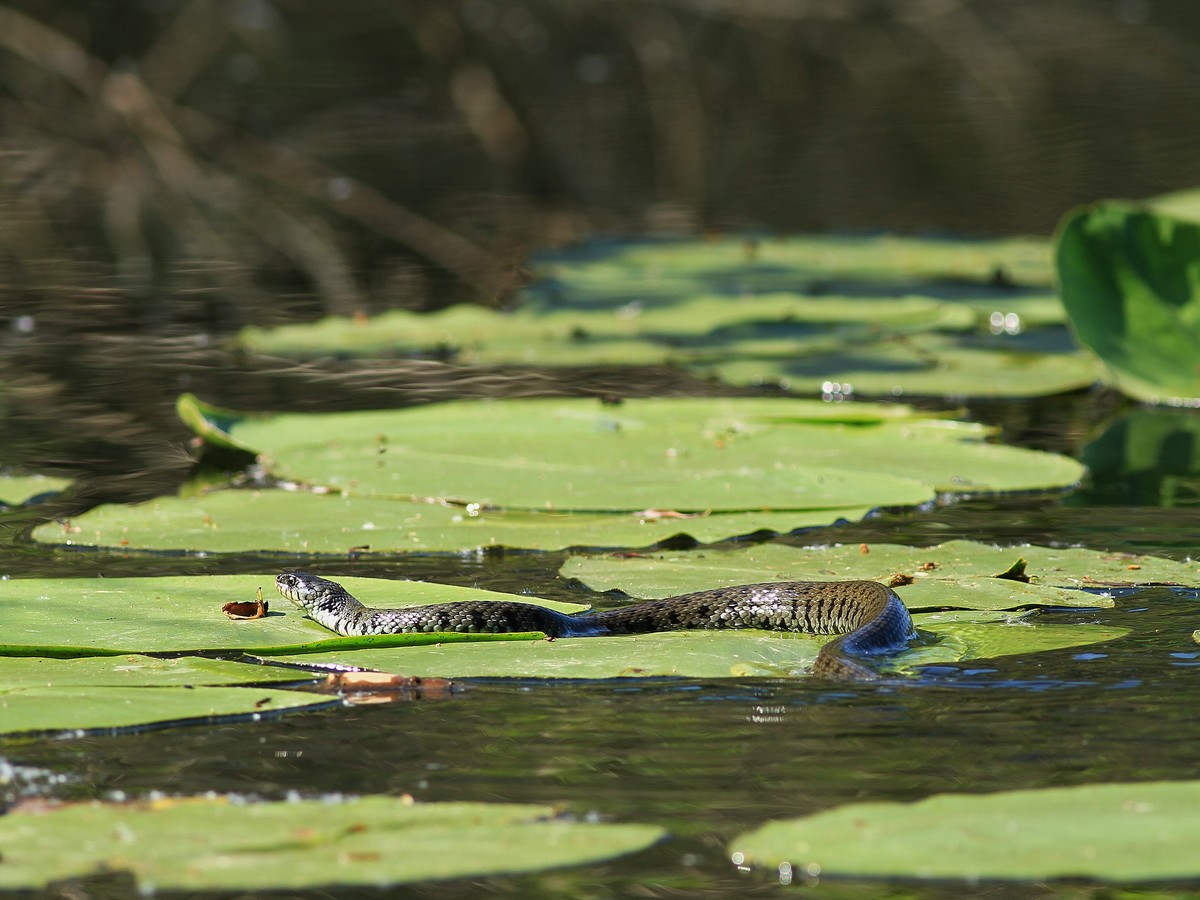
<point>869,616</point>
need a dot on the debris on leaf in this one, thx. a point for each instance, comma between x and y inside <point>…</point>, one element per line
<point>1015,572</point>
<point>246,609</point>
<point>900,579</point>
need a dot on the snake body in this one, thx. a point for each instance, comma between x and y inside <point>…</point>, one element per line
<point>869,616</point>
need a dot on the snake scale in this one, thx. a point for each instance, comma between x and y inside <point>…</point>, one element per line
<point>870,617</point>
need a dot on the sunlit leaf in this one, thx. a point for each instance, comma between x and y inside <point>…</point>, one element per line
<point>231,844</point>
<point>103,616</point>
<point>957,574</point>
<point>15,489</point>
<point>1130,282</point>
<point>306,523</point>
<point>1113,832</point>
<point>957,636</point>
<point>889,315</point>
<point>40,694</point>
<point>681,454</point>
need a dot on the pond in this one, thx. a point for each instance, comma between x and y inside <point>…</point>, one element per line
<point>705,759</point>
<point>205,179</point>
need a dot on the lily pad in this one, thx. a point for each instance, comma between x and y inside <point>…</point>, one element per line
<point>227,843</point>
<point>116,616</point>
<point>800,312</point>
<point>106,617</point>
<point>956,636</point>
<point>956,574</point>
<point>16,489</point>
<point>300,522</point>
<point>1113,832</point>
<point>556,474</point>
<point>80,707</point>
<point>679,454</point>
<point>133,670</point>
<point>1130,282</point>
<point>934,364</point>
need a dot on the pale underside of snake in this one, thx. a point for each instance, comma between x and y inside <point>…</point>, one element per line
<point>870,618</point>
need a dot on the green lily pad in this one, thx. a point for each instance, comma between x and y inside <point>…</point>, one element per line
<point>75,707</point>
<point>1112,832</point>
<point>116,616</point>
<point>556,474</point>
<point>15,489</point>
<point>933,364</point>
<point>227,843</point>
<point>679,454</point>
<point>1130,282</point>
<point>958,636</point>
<point>299,522</point>
<point>799,312</point>
<point>107,617</point>
<point>133,670</point>
<point>961,576</point>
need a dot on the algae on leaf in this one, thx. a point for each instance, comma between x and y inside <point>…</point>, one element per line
<point>1111,832</point>
<point>1130,282</point>
<point>231,843</point>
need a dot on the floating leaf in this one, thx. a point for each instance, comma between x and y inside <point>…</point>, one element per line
<point>958,636</point>
<point>307,523</point>
<point>125,691</point>
<point>226,843</point>
<point>961,577</point>
<point>1112,832</point>
<point>1130,282</point>
<point>514,473</point>
<point>874,312</point>
<point>681,454</point>
<point>107,616</point>
<point>930,365</point>
<point>16,489</point>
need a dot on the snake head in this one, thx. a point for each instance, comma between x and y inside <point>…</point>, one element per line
<point>301,588</point>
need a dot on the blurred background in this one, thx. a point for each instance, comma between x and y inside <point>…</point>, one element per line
<point>173,170</point>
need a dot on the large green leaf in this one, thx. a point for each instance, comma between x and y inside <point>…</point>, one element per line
<point>800,312</point>
<point>227,843</point>
<point>1130,282</point>
<point>116,616</point>
<point>74,707</point>
<point>15,489</point>
<point>105,616</point>
<point>1115,832</point>
<point>956,574</point>
<point>957,636</point>
<point>933,364</point>
<point>682,454</point>
<point>40,694</point>
<point>300,522</point>
<point>132,671</point>
<point>554,474</point>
